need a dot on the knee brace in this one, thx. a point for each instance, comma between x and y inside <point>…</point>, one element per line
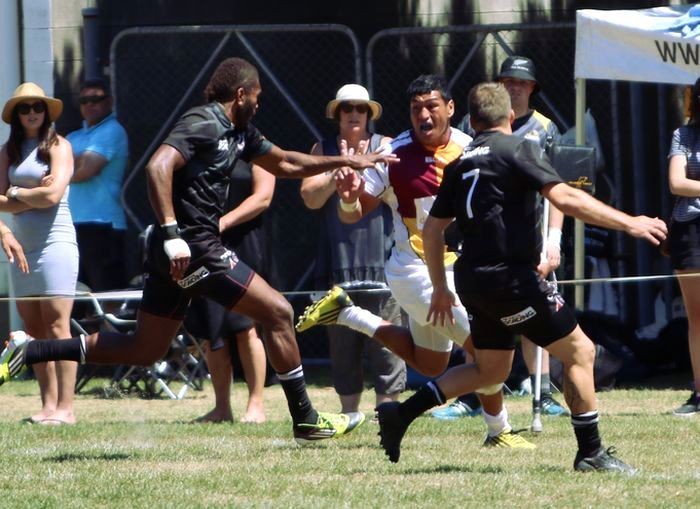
<point>489,390</point>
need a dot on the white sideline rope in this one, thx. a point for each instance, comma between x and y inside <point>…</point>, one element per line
<point>136,294</point>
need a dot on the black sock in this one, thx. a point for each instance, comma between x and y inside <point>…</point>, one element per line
<point>45,350</point>
<point>587,435</point>
<point>294,386</point>
<point>471,400</point>
<point>424,399</point>
<point>545,385</point>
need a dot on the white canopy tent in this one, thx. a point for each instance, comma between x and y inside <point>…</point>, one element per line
<point>659,45</point>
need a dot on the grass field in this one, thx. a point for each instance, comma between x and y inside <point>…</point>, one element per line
<point>137,453</point>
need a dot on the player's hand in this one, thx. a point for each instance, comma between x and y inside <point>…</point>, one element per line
<point>47,180</point>
<point>362,161</point>
<point>652,229</point>
<point>441,304</point>
<point>176,249</point>
<point>553,255</point>
<point>349,184</point>
<point>13,251</point>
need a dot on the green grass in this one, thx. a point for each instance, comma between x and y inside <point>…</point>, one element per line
<point>135,453</point>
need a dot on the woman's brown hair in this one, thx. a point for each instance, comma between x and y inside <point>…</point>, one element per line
<point>47,138</point>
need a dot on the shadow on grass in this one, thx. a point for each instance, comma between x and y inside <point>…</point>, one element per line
<point>85,456</point>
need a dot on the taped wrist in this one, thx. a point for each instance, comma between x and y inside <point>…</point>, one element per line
<point>170,230</point>
<point>554,236</point>
<point>173,244</point>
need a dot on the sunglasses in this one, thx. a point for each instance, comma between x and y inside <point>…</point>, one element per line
<point>92,99</point>
<point>348,107</point>
<point>25,108</point>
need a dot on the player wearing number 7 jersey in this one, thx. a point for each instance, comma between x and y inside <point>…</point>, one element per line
<point>409,188</point>
<point>492,191</point>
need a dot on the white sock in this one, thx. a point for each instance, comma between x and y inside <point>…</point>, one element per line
<point>497,424</point>
<point>360,319</point>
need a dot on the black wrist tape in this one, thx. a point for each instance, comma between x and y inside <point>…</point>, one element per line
<point>170,231</point>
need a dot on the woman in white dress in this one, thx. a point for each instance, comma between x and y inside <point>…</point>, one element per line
<point>36,166</point>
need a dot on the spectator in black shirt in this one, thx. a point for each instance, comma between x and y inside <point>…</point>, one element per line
<point>491,190</point>
<point>187,181</point>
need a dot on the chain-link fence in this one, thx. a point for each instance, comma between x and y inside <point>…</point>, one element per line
<point>467,55</point>
<point>160,72</point>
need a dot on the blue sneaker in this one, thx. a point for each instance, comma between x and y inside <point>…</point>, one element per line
<point>456,410</point>
<point>552,407</point>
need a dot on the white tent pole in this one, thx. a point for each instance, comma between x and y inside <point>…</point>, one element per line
<point>579,247</point>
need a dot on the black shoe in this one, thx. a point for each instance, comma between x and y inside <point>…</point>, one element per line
<point>690,407</point>
<point>603,460</point>
<point>391,429</point>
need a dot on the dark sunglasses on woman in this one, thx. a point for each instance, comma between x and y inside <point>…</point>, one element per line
<point>25,108</point>
<point>348,107</point>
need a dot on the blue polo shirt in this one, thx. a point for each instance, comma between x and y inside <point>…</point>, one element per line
<point>97,200</point>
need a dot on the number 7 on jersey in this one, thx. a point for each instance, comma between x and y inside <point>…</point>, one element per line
<point>473,173</point>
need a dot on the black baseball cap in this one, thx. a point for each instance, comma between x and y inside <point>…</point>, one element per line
<point>96,83</point>
<point>519,67</point>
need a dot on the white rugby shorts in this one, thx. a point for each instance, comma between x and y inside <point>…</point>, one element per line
<point>410,285</point>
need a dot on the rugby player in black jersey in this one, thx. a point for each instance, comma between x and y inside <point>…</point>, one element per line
<point>188,177</point>
<point>491,191</point>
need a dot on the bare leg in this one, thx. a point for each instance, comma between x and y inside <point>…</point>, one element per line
<point>253,359</point>
<point>399,340</point>
<point>269,308</point>
<point>690,288</point>
<point>577,355</point>
<point>491,367</point>
<point>385,398</point>
<point>56,315</point>
<point>349,402</point>
<point>148,344</point>
<point>45,372</point>
<point>219,364</point>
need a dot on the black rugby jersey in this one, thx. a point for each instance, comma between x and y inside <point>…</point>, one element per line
<point>492,190</point>
<point>210,145</point>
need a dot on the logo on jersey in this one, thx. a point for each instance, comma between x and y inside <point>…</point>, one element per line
<point>519,317</point>
<point>240,146</point>
<point>223,145</point>
<point>478,151</point>
<point>193,278</point>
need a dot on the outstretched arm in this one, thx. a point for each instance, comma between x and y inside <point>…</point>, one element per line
<point>580,204</point>
<point>290,164</point>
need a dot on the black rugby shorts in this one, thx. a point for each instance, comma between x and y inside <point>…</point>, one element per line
<point>516,301</point>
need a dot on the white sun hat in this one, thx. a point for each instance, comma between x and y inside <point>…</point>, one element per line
<point>356,94</point>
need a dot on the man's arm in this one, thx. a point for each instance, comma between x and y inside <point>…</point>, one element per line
<point>87,165</point>
<point>263,187</point>
<point>290,164</point>
<point>443,299</point>
<point>159,175</point>
<point>580,204</point>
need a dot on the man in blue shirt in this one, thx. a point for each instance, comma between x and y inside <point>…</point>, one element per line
<point>101,150</point>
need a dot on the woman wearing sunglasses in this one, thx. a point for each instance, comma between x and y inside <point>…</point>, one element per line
<point>35,168</point>
<point>352,256</point>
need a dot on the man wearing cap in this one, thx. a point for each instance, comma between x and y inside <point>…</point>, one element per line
<point>518,77</point>
<point>101,150</point>
<point>353,255</point>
